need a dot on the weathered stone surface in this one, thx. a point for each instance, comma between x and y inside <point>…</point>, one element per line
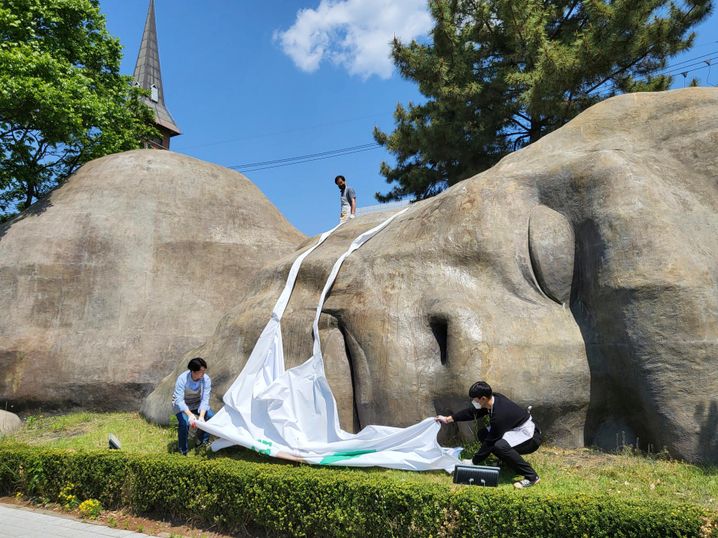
<point>129,264</point>
<point>551,247</point>
<point>9,423</point>
<point>616,215</point>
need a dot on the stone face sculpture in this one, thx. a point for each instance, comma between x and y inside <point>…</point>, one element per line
<point>579,275</point>
<point>133,261</point>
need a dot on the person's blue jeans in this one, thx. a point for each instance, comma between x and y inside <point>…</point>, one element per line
<point>183,429</point>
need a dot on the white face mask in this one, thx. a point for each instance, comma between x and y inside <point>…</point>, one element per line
<point>476,404</point>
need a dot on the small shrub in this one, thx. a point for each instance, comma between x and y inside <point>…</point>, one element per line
<point>90,509</point>
<point>67,499</point>
<point>299,500</point>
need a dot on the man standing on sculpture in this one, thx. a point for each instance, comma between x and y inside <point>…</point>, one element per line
<point>190,402</point>
<point>511,431</point>
<point>347,199</point>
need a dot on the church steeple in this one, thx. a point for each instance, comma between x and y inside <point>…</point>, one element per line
<point>148,76</point>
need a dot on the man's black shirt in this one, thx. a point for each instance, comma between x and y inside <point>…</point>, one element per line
<point>504,416</point>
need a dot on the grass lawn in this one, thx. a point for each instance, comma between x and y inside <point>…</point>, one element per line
<point>625,475</point>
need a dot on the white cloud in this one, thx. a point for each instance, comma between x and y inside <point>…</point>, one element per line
<point>355,34</point>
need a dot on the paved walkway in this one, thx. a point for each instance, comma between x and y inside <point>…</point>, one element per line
<point>17,522</point>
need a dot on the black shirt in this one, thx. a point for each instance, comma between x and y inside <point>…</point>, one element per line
<point>504,416</point>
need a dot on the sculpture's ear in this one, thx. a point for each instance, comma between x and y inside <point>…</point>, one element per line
<point>551,248</point>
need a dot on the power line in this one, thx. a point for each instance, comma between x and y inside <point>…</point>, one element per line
<point>671,69</point>
<point>701,63</point>
<point>690,60</point>
<point>274,161</point>
<point>697,63</point>
<point>300,159</point>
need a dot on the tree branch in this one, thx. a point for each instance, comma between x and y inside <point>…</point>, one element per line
<point>9,131</point>
<point>618,72</point>
<point>564,19</point>
<point>523,116</point>
<point>521,125</point>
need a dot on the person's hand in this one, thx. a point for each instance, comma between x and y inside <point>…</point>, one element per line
<point>192,421</point>
<point>443,420</point>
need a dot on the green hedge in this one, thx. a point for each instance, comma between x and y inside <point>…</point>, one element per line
<point>300,500</point>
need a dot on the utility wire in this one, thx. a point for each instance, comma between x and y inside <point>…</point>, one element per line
<point>689,60</point>
<point>692,64</point>
<point>701,64</point>
<point>301,159</point>
<point>329,152</point>
<point>695,64</point>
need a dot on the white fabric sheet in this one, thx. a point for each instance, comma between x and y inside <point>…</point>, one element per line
<point>518,435</point>
<point>292,414</point>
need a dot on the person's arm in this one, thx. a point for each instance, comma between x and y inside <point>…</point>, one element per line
<point>483,452</point>
<point>178,395</point>
<point>465,414</point>
<point>204,404</point>
<point>470,413</point>
<point>487,444</point>
<point>190,416</point>
<point>352,195</point>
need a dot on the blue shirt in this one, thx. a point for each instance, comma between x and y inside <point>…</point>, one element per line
<point>185,380</point>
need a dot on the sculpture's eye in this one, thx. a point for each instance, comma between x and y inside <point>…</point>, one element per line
<point>551,248</point>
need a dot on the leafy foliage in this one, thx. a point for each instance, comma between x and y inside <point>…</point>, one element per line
<point>500,74</point>
<point>63,101</point>
<point>303,501</point>
<point>90,509</point>
<point>67,499</point>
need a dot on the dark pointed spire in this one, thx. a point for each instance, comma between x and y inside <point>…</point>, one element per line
<point>149,76</point>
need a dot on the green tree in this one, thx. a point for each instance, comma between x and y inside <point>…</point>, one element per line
<point>500,74</point>
<point>63,101</point>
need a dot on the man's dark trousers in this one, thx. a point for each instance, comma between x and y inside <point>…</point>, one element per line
<point>512,455</point>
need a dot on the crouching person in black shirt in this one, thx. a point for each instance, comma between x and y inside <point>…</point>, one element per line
<point>511,431</point>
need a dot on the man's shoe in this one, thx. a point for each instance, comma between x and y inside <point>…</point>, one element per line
<point>526,483</point>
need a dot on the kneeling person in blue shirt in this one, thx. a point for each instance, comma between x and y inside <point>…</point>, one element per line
<point>190,401</point>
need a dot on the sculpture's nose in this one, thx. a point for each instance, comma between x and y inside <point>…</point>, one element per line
<point>457,334</point>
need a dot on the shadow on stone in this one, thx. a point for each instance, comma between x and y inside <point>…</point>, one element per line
<point>708,434</point>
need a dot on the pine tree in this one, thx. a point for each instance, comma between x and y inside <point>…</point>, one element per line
<point>500,74</point>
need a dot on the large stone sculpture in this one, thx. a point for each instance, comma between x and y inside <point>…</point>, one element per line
<point>579,275</point>
<point>125,267</point>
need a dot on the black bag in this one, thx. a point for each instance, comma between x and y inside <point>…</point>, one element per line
<point>476,475</point>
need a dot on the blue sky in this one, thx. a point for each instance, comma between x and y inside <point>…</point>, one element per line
<point>250,81</point>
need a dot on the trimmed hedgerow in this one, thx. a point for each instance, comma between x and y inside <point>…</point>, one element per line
<point>301,500</point>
